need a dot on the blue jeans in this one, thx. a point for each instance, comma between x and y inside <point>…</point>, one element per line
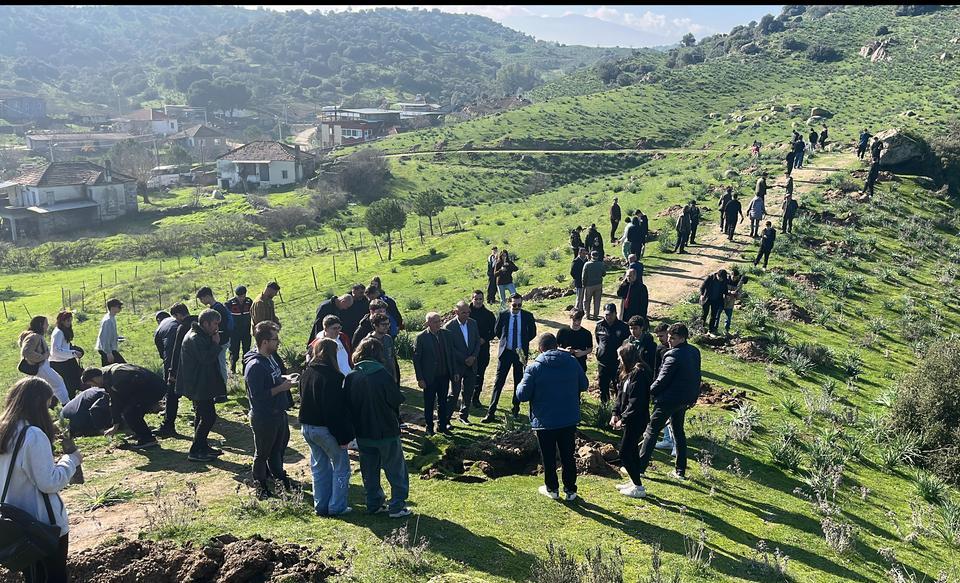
<point>798,161</point>
<point>330,465</point>
<point>385,454</point>
<point>503,293</point>
<point>729,313</point>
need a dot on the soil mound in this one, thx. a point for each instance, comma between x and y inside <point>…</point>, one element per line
<point>811,280</point>
<point>516,454</point>
<point>723,397</point>
<point>670,211</point>
<point>784,309</point>
<point>748,349</point>
<point>222,559</point>
<point>550,292</point>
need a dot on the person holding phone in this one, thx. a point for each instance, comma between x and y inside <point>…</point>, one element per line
<point>268,390</point>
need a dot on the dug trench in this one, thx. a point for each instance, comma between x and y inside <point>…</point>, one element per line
<point>222,559</point>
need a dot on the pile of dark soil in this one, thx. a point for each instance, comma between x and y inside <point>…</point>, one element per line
<point>615,262</point>
<point>830,218</point>
<point>748,349</point>
<point>723,397</point>
<point>811,280</point>
<point>784,309</point>
<point>549,292</point>
<point>670,211</point>
<point>516,454</point>
<point>223,559</point>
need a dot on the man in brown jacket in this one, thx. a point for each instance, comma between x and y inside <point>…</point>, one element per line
<point>262,309</point>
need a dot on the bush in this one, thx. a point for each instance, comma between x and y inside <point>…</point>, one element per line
<point>915,9</point>
<point>882,30</point>
<point>793,44</point>
<point>365,175</point>
<point>931,487</point>
<point>929,398</point>
<point>821,53</point>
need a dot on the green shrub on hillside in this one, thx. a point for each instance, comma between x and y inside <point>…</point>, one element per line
<point>929,403</point>
<point>821,53</point>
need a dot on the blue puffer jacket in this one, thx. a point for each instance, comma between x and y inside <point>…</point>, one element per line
<point>552,385</point>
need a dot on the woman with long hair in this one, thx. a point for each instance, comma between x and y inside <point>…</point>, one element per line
<point>34,478</point>
<point>326,427</point>
<point>503,270</point>
<point>631,412</point>
<point>35,352</point>
<point>64,357</point>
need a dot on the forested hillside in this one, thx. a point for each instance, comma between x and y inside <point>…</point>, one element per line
<point>141,53</point>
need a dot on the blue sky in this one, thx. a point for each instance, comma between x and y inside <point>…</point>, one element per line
<point>605,25</point>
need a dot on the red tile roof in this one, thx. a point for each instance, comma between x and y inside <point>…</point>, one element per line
<point>69,174</point>
<point>264,150</point>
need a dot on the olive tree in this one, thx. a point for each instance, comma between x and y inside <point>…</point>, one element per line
<point>383,218</point>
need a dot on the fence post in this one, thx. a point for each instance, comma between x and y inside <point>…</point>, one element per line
<point>283,248</point>
<point>378,248</point>
<point>459,224</point>
<point>361,238</point>
<point>420,228</point>
<point>161,267</point>
<point>401,240</point>
<point>63,297</point>
<point>159,300</point>
<point>115,279</point>
<point>356,263</point>
<point>334,257</point>
<point>29,315</point>
<point>136,272</point>
<point>314,272</point>
<point>6,316</point>
<point>83,303</point>
<point>264,249</point>
<point>101,280</point>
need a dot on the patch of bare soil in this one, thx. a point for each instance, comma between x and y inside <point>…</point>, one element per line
<point>723,397</point>
<point>222,559</point>
<point>748,349</point>
<point>670,211</point>
<point>829,218</point>
<point>614,262</point>
<point>811,280</point>
<point>784,309</point>
<point>550,292</point>
<point>516,454</point>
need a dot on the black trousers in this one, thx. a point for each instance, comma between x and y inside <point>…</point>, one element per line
<point>630,446</point>
<point>436,394</point>
<point>613,228</point>
<point>861,150</point>
<point>206,416</point>
<point>786,226</point>
<point>764,254</point>
<point>509,359</point>
<point>790,166</point>
<point>461,392</point>
<point>117,358</point>
<point>693,232</point>
<point>53,569</point>
<point>730,226</point>
<point>711,314</point>
<point>483,360</point>
<point>682,237</point>
<point>70,371</point>
<point>271,434</point>
<point>606,375</point>
<point>171,405</point>
<point>552,441</point>
<point>660,417</point>
<point>239,345</point>
<point>491,290</point>
<point>133,410</point>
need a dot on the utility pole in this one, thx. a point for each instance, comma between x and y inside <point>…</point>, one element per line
<point>156,151</point>
<point>53,156</point>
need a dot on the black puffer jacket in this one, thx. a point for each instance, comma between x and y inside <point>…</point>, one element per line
<point>678,382</point>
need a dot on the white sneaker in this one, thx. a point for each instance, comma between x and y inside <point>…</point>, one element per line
<point>625,485</point>
<point>664,444</point>
<point>634,492</point>
<point>623,471</point>
<point>569,496</point>
<point>401,513</point>
<point>548,493</point>
<point>677,476</point>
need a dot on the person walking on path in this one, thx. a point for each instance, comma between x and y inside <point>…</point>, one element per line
<point>515,329</point>
<point>268,391</point>
<point>375,400</point>
<point>872,177</point>
<point>576,272</point>
<point>575,241</point>
<point>64,356</point>
<point>486,325</point>
<point>326,425</point>
<point>635,237</point>
<point>862,142</point>
<point>663,346</point>
<point>593,240</point>
<point>756,210</point>
<point>625,245</point>
<point>813,139</point>
<point>732,213</point>
<point>491,274</point>
<point>761,187</point>
<point>464,338</point>
<point>615,217</point>
<point>683,230</point>
<point>592,278</point>
<point>823,137</point>
<point>712,291</point>
<point>767,237</point>
<point>504,269</point>
<point>576,339</point>
<point>722,207</point>
<point>198,379</point>
<point>31,476</point>
<point>633,295</point>
<point>133,392</point>
<point>35,357</point>
<point>262,309</point>
<point>642,234</point>
<point>610,334</point>
<point>790,159</point>
<point>205,295</point>
<point>693,211</point>
<point>798,149</point>
<point>552,385</point>
<point>789,208</point>
<point>435,369</point>
<point>239,307</point>
<point>631,413</point>
<point>675,390</point>
<point>108,339</point>
<point>734,293</point>
<point>875,149</point>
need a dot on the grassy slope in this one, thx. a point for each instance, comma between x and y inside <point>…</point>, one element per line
<point>485,529</point>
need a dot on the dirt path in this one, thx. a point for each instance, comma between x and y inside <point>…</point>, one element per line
<point>304,138</point>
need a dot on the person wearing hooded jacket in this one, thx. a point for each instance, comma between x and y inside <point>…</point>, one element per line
<point>552,385</point>
<point>199,379</point>
<point>133,391</point>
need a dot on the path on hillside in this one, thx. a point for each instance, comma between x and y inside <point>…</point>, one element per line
<point>536,151</point>
<point>305,137</point>
<point>673,283</point>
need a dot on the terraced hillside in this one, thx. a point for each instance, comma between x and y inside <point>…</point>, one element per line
<point>795,474</point>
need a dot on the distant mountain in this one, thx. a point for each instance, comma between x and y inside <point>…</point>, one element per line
<point>583,30</point>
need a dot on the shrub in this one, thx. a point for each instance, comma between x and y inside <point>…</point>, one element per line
<point>793,44</point>
<point>364,175</point>
<point>404,342</point>
<point>441,280</point>
<point>931,487</point>
<point>930,398</point>
<point>521,279</point>
<point>414,304</point>
<point>540,260</point>
<point>785,449</point>
<point>821,53</point>
<point>949,525</point>
<point>915,9</point>
<point>882,30</point>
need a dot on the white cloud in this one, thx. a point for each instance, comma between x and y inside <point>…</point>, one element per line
<point>495,12</point>
<point>647,22</point>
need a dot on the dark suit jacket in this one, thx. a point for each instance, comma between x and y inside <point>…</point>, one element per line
<point>678,381</point>
<point>426,356</point>
<point>326,308</point>
<point>459,349</point>
<point>528,331</point>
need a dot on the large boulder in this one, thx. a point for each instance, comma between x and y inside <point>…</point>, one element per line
<point>820,112</point>
<point>900,149</point>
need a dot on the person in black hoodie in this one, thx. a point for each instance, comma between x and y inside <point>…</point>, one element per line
<point>326,427</point>
<point>486,323</point>
<point>675,390</point>
<point>633,295</point>
<point>375,400</point>
<point>268,391</point>
<point>172,334</point>
<point>132,390</point>
<point>576,272</point>
<point>88,413</point>
<point>712,291</point>
<point>722,205</point>
<point>767,237</point>
<point>610,333</point>
<point>631,412</point>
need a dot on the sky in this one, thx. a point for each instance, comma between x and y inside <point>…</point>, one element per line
<point>625,25</point>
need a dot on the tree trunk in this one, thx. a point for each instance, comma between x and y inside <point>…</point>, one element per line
<point>431,224</point>
<point>389,247</point>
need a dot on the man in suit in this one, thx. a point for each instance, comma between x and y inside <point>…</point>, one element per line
<point>515,329</point>
<point>434,367</point>
<point>486,323</point>
<point>464,348</point>
<point>491,277</point>
<point>673,392</point>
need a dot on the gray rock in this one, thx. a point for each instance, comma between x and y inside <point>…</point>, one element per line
<point>820,112</point>
<point>898,148</point>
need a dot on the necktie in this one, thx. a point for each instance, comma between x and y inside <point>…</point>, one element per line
<point>516,332</point>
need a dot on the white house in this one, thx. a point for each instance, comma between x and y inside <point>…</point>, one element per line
<point>66,196</point>
<point>264,164</point>
<point>146,121</point>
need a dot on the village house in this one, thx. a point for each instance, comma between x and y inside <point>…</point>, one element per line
<point>264,164</point>
<point>16,106</point>
<point>345,127</point>
<point>70,144</point>
<point>205,141</point>
<point>146,121</point>
<point>66,196</point>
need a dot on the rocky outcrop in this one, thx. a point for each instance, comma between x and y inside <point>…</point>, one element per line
<point>876,51</point>
<point>820,112</point>
<point>900,149</point>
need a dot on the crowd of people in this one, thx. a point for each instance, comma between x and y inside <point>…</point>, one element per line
<point>350,393</point>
